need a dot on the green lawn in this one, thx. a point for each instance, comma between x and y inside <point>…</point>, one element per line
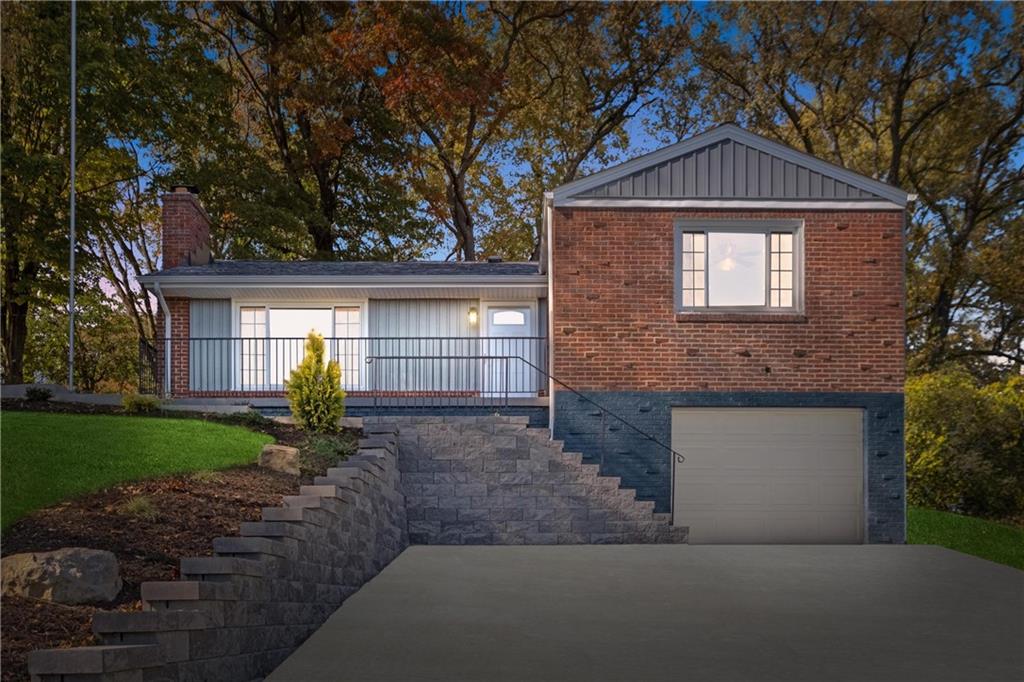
<point>986,539</point>
<point>48,457</point>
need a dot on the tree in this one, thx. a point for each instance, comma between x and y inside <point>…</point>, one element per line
<point>965,443</point>
<point>606,66</point>
<point>106,343</point>
<point>450,72</point>
<point>318,151</point>
<point>134,63</point>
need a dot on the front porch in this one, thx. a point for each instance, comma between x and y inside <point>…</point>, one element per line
<point>378,372</point>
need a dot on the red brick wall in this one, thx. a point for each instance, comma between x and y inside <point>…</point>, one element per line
<point>615,327</point>
<point>186,229</point>
<point>179,308</point>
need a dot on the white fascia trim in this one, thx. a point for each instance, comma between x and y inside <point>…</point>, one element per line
<point>306,282</point>
<point>733,132</point>
<point>788,205</point>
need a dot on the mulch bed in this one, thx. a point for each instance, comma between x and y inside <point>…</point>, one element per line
<point>191,510</point>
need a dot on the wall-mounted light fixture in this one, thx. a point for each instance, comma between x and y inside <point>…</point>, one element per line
<point>473,317</point>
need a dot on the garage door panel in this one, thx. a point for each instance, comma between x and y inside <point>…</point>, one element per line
<point>769,474</point>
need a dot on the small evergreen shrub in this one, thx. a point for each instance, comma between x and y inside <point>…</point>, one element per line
<point>134,403</point>
<point>38,394</point>
<point>314,389</point>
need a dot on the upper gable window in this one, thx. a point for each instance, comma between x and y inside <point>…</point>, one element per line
<point>738,266</point>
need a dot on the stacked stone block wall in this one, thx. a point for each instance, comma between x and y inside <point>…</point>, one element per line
<point>495,480</point>
<point>238,614</point>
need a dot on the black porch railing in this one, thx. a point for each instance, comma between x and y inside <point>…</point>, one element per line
<point>438,366</point>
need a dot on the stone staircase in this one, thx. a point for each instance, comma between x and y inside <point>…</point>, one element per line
<point>494,480</point>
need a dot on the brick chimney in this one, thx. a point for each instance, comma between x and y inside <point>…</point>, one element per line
<point>186,228</point>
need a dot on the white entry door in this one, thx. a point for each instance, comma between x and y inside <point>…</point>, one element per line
<point>510,330</point>
<point>769,475</point>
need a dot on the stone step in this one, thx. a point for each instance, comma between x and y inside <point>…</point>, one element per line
<point>284,548</point>
<point>94,662</point>
<point>206,566</point>
<point>187,590</point>
<point>315,515</point>
<point>122,622</point>
<point>272,529</point>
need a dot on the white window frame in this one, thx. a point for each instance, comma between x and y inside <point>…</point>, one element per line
<point>316,304</point>
<point>764,227</point>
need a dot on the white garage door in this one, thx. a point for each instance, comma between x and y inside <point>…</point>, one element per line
<point>769,475</point>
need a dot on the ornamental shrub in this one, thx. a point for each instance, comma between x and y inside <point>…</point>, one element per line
<point>135,403</point>
<point>314,389</point>
<point>965,444</point>
<point>38,394</point>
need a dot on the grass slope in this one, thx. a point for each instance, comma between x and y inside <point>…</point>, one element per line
<point>986,539</point>
<point>50,457</point>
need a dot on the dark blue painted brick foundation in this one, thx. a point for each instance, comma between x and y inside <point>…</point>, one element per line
<point>644,465</point>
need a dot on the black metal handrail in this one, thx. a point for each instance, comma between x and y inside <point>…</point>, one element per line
<point>678,456</point>
<point>261,363</point>
<point>675,457</point>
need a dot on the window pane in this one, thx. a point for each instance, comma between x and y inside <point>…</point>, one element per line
<point>687,261</point>
<point>698,242</point>
<point>787,242</point>
<point>698,297</point>
<point>787,261</point>
<point>736,272</point>
<point>688,297</point>
<point>775,298</point>
<point>787,280</point>
<point>687,241</point>
<point>786,299</point>
<point>288,330</point>
<point>508,317</point>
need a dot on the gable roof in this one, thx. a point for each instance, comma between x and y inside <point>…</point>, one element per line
<point>728,166</point>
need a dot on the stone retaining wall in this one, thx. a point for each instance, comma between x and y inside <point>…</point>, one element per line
<point>496,480</point>
<point>238,614</point>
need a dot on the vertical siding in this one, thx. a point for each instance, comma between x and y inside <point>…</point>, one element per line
<point>210,359</point>
<point>423,328</point>
<point>421,317</point>
<point>727,170</point>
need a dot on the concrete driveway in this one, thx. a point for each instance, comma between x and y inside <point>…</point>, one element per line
<point>678,613</point>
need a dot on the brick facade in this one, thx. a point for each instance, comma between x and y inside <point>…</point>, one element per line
<point>614,325</point>
<point>617,336</point>
<point>179,308</point>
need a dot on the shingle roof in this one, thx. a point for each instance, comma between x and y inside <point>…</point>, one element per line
<point>255,268</point>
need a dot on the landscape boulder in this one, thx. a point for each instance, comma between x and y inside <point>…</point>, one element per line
<point>280,458</point>
<point>70,575</point>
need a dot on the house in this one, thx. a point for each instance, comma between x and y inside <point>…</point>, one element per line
<point>727,295</point>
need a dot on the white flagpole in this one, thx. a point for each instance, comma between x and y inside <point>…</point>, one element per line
<point>71,279</point>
